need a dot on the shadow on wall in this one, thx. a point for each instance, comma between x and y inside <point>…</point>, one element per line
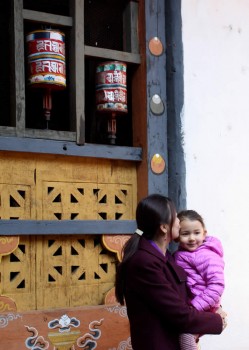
<point>175,100</point>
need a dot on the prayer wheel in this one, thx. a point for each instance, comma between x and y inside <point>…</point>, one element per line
<point>46,64</point>
<point>111,93</point>
<point>46,59</point>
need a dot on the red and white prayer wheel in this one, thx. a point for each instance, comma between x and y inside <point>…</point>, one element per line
<point>46,64</point>
<point>46,59</point>
<point>111,88</point>
<point>111,93</point>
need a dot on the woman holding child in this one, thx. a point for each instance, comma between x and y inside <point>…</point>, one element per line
<point>153,287</point>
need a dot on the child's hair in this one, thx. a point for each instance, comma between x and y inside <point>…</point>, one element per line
<point>190,215</point>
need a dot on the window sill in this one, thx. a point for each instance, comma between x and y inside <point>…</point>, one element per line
<point>69,148</point>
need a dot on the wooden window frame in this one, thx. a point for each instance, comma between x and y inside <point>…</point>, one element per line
<point>78,51</point>
<point>20,139</point>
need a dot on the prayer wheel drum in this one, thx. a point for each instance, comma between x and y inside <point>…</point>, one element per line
<point>46,59</point>
<point>111,88</point>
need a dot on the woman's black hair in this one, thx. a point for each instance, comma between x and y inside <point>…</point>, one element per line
<point>152,211</point>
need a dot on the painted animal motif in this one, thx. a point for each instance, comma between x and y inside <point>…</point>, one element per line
<point>88,340</point>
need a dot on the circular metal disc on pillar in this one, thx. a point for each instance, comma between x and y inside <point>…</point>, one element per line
<point>156,46</point>
<point>157,164</point>
<point>156,105</point>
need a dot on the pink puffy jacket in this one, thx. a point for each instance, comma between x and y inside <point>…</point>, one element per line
<point>205,273</point>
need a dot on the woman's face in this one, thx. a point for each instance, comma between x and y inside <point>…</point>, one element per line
<point>175,229</point>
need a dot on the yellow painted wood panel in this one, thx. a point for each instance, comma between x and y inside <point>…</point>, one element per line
<point>18,271</point>
<point>74,271</point>
<point>62,271</point>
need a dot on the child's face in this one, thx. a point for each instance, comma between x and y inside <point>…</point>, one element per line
<point>192,234</point>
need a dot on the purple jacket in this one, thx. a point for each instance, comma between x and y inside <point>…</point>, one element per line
<point>205,273</point>
<point>156,300</point>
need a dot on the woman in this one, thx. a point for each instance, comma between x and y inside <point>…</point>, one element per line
<point>153,286</point>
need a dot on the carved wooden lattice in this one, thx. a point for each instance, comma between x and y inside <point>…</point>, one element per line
<point>62,271</point>
<point>68,201</point>
<point>18,270</point>
<point>77,270</point>
<point>14,201</point>
<point>58,272</point>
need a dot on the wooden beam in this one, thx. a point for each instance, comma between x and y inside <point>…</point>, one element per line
<point>19,75</point>
<point>66,227</point>
<point>156,84</point>
<point>50,134</point>
<point>7,130</point>
<point>67,148</point>
<point>113,325</point>
<point>77,70</point>
<point>131,42</point>
<point>139,106</point>
<point>45,17</point>
<point>112,54</point>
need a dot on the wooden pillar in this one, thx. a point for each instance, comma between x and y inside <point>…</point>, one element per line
<point>156,87</point>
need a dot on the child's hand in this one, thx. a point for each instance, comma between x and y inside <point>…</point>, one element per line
<point>223,315</point>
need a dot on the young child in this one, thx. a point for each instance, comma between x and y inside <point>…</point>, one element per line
<point>201,256</point>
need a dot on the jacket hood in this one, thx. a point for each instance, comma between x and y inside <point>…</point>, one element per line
<point>213,244</point>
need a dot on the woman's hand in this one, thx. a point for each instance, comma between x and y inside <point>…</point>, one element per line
<point>223,315</point>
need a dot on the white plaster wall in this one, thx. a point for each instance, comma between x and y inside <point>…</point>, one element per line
<point>216,144</point>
